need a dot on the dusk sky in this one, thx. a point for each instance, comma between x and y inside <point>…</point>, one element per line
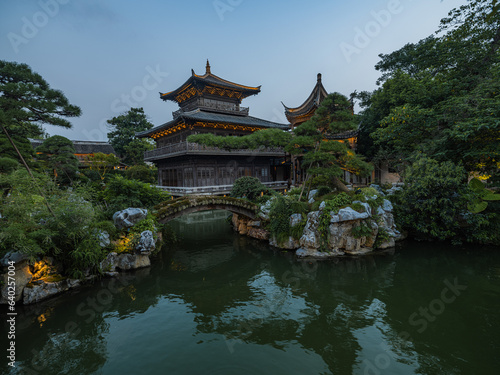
<point>109,55</point>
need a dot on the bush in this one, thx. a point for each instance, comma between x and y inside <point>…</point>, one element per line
<point>248,187</point>
<point>68,232</point>
<point>121,193</point>
<point>323,190</point>
<point>142,173</point>
<point>432,199</point>
<point>7,165</point>
<point>279,215</point>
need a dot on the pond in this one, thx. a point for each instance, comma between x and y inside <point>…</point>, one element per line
<point>219,303</point>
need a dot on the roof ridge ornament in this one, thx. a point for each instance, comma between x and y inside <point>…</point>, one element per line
<point>208,68</point>
<point>319,77</point>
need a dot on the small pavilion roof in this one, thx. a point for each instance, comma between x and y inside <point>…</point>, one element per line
<point>312,102</point>
<point>209,79</point>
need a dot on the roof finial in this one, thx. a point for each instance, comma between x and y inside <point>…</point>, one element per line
<point>319,77</point>
<point>208,68</point>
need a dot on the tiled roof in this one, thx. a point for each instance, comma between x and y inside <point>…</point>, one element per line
<point>198,115</point>
<point>83,147</point>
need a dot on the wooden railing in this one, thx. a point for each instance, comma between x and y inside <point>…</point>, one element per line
<point>216,189</point>
<point>195,148</point>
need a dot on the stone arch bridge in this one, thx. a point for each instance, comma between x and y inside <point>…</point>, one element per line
<point>175,208</point>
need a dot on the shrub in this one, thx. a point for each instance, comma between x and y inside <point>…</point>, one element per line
<point>361,230</point>
<point>7,165</point>
<point>323,190</point>
<point>121,193</point>
<point>248,187</point>
<point>142,173</point>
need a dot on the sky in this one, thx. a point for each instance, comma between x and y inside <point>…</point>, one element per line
<point>110,55</point>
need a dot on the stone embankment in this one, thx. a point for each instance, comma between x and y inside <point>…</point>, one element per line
<point>39,280</point>
<point>330,234</point>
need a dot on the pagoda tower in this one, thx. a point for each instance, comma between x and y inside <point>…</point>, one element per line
<point>210,104</point>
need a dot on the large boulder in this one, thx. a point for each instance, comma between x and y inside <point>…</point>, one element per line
<point>22,275</point>
<point>289,244</point>
<point>132,261</point>
<point>295,219</point>
<point>348,214</point>
<point>41,290</point>
<point>146,242</point>
<point>129,217</point>
<point>310,236</point>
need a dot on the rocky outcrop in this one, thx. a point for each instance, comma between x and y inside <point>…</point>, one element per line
<point>40,290</point>
<point>147,243</point>
<point>348,231</point>
<point>22,275</point>
<point>124,262</point>
<point>129,217</point>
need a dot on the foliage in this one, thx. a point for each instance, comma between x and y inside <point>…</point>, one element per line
<point>57,154</point>
<point>27,101</point>
<point>382,236</point>
<point>482,196</point>
<point>7,165</point>
<point>142,173</point>
<point>326,159</point>
<point>130,240</point>
<point>432,199</point>
<point>102,163</point>
<point>281,210</point>
<point>121,193</point>
<point>249,187</point>
<point>361,230</point>
<point>26,226</point>
<point>440,97</point>
<point>261,138</point>
<point>22,143</point>
<point>356,206</point>
<point>122,136</point>
<point>323,190</point>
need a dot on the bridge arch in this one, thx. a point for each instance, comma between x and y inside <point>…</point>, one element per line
<point>175,208</point>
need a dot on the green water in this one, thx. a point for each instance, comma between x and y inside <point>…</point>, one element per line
<point>218,303</point>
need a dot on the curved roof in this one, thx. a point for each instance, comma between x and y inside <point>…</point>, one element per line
<point>210,117</point>
<point>309,106</point>
<point>209,79</point>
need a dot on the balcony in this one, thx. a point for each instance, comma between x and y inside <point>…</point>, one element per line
<point>216,189</point>
<point>185,148</point>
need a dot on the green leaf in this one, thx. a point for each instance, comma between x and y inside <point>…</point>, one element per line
<point>491,197</point>
<point>477,207</point>
<point>476,185</point>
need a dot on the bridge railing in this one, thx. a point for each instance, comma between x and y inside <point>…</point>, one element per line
<point>217,189</point>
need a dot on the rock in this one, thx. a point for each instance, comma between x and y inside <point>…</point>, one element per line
<point>260,234</point>
<point>310,201</point>
<point>147,242</point>
<point>348,214</point>
<point>387,205</point>
<point>310,238</point>
<point>366,206</point>
<point>378,188</point>
<point>129,217</point>
<point>43,290</point>
<point>13,256</point>
<point>103,238</point>
<point>109,264</point>
<point>322,206</point>
<point>22,277</point>
<point>314,254</point>
<point>295,220</point>
<point>289,244</point>
<point>255,224</point>
<point>265,209</point>
<point>312,194</point>
<point>132,261</point>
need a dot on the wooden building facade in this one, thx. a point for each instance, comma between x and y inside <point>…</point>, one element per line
<point>210,104</point>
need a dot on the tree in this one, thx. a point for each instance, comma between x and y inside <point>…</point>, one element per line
<point>57,153</point>
<point>325,159</point>
<point>102,163</point>
<point>27,102</point>
<point>440,96</point>
<point>122,136</point>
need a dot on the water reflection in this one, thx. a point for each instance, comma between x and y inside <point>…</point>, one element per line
<point>235,304</point>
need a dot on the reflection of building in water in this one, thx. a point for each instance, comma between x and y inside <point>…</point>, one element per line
<point>208,224</point>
